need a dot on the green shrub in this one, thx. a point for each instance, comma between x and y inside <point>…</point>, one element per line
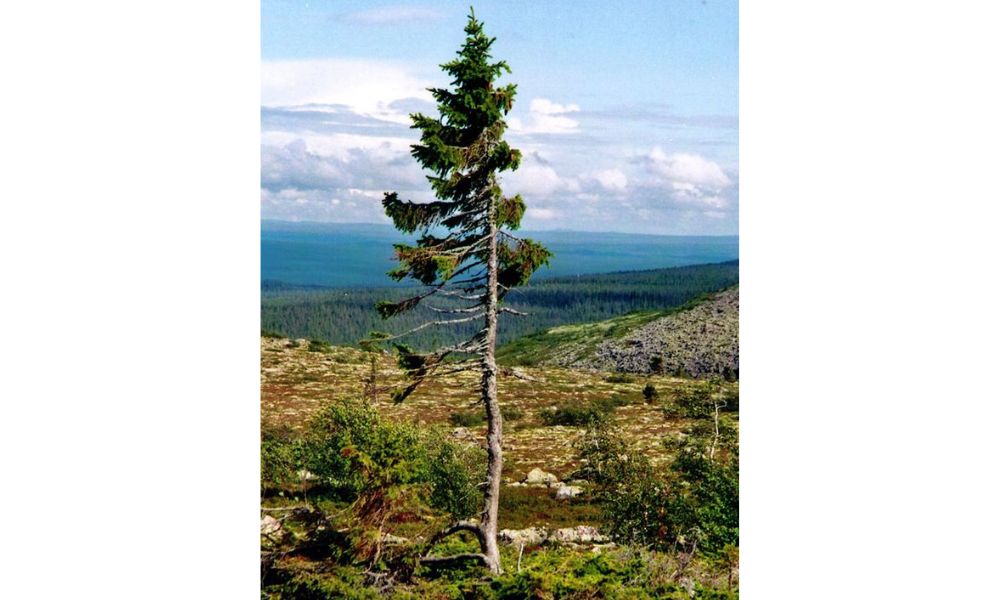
<point>732,399</point>
<point>620,378</point>
<point>649,393</point>
<point>280,459</point>
<point>693,501</point>
<point>511,413</point>
<point>354,451</point>
<point>319,346</point>
<point>270,334</point>
<point>455,471</point>
<point>656,365</point>
<point>467,418</point>
<point>697,401</point>
<point>575,414</point>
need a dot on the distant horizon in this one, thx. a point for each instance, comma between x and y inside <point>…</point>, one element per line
<point>532,230</point>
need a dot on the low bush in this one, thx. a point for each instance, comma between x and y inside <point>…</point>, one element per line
<point>649,393</point>
<point>575,414</point>
<point>620,378</point>
<point>319,346</point>
<point>511,413</point>
<point>692,503</point>
<point>467,418</point>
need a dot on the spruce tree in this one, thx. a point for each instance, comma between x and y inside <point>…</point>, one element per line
<point>466,257</point>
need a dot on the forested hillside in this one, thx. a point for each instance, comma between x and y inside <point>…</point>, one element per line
<point>344,316</point>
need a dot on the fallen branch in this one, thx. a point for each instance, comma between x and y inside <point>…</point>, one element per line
<point>446,561</point>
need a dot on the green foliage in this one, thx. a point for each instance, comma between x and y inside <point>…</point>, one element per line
<point>700,401</point>
<point>342,584</point>
<point>345,316</point>
<point>656,365</point>
<point>352,450</point>
<point>693,503</point>
<point>511,413</point>
<point>649,393</point>
<point>281,456</point>
<point>620,378</point>
<point>455,472</point>
<point>578,413</point>
<point>625,574</point>
<point>319,346</point>
<point>467,418</point>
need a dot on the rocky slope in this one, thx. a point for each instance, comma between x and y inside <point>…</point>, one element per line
<point>699,341</point>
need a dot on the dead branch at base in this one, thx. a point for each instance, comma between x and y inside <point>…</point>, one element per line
<point>454,560</point>
<point>453,529</point>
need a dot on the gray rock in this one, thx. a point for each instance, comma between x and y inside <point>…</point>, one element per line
<point>270,526</point>
<point>532,536</point>
<point>394,540</point>
<point>568,491</point>
<point>305,475</point>
<point>581,534</point>
<point>539,477</point>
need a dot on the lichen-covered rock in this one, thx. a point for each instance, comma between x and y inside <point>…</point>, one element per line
<point>532,536</point>
<point>394,540</point>
<point>270,526</point>
<point>566,492</point>
<point>539,477</point>
<point>581,534</point>
<point>701,341</point>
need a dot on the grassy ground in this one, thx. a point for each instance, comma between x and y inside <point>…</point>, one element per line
<point>297,382</point>
<point>298,379</point>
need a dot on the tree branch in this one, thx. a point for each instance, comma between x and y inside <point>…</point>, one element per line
<point>445,561</point>
<point>431,323</point>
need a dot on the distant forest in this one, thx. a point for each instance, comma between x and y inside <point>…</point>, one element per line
<point>345,316</point>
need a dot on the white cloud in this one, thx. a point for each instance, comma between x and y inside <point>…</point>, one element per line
<point>367,87</point>
<point>544,106</point>
<point>687,168</point>
<point>612,180</point>
<point>539,180</point>
<point>387,15</point>
<point>545,116</point>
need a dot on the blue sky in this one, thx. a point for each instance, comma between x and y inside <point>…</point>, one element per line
<point>627,112</point>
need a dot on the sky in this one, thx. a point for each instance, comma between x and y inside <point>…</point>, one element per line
<point>626,112</point>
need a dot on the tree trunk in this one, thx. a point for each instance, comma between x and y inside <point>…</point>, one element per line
<point>494,431</point>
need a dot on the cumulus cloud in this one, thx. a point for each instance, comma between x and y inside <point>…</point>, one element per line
<point>371,88</point>
<point>687,168</point>
<point>546,117</point>
<point>687,181</point>
<point>612,180</point>
<point>335,136</point>
<point>537,177</point>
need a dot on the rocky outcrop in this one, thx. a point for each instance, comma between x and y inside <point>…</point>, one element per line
<point>532,536</point>
<point>701,341</point>
<point>536,536</point>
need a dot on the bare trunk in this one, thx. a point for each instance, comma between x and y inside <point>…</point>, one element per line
<point>494,431</point>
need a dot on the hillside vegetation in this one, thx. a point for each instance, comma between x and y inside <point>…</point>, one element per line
<point>699,339</point>
<point>344,316</point>
<point>610,489</point>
